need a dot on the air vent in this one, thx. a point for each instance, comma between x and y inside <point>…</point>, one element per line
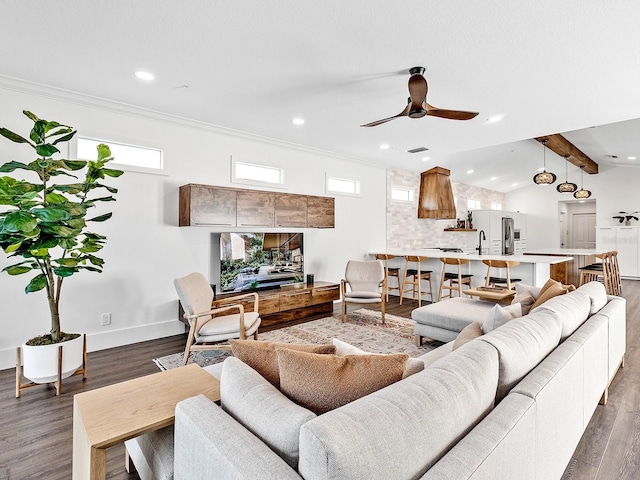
<point>612,156</point>
<point>418,150</point>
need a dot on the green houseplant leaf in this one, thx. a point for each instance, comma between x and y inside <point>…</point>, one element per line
<point>45,222</point>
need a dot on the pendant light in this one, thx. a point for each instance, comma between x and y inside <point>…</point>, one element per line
<point>582,193</point>
<point>566,187</point>
<point>544,177</point>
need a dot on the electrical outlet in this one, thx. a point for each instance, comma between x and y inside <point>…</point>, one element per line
<point>105,319</point>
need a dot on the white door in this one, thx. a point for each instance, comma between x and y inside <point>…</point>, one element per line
<point>584,230</point>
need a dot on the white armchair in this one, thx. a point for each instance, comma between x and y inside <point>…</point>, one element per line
<point>361,284</point>
<point>213,325</point>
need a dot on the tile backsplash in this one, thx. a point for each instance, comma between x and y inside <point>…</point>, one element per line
<point>406,230</point>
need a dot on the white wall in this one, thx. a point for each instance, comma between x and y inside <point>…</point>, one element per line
<point>614,189</point>
<point>146,249</point>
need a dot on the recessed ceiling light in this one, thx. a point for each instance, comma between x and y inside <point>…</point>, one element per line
<point>425,159</point>
<point>384,146</point>
<point>494,178</point>
<point>581,201</point>
<point>494,119</point>
<point>144,75</point>
<point>514,184</point>
<point>631,158</point>
<point>469,171</point>
<point>298,121</point>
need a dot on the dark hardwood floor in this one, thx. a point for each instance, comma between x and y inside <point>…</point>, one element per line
<point>36,439</point>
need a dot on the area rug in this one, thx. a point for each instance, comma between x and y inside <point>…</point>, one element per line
<point>363,328</point>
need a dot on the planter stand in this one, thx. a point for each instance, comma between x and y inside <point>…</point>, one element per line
<point>58,382</point>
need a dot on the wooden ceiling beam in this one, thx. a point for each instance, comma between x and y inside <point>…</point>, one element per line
<point>563,147</point>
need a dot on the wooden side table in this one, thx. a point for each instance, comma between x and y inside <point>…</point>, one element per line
<point>498,295</point>
<point>110,415</point>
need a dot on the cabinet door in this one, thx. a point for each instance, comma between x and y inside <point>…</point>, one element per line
<point>255,208</point>
<point>627,247</point>
<point>321,212</point>
<point>290,210</point>
<point>204,205</point>
<point>606,238</point>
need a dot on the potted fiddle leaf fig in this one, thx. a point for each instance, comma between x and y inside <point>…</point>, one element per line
<point>44,225</point>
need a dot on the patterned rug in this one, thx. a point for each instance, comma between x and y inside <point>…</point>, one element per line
<point>363,329</point>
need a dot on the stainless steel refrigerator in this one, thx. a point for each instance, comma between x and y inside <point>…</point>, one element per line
<point>507,236</point>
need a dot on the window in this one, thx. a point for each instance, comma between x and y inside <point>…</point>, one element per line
<point>472,204</point>
<point>343,185</point>
<point>140,158</point>
<point>402,194</point>
<point>496,206</point>
<point>243,172</point>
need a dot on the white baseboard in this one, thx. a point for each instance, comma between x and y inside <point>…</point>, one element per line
<point>112,338</point>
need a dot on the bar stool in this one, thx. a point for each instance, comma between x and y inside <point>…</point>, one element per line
<point>389,272</point>
<point>453,281</point>
<point>500,264</point>
<point>608,269</point>
<point>416,275</point>
<point>615,273</point>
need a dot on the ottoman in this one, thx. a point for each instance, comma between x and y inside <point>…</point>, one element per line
<point>444,320</point>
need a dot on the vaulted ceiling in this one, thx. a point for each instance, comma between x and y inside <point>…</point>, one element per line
<point>543,66</point>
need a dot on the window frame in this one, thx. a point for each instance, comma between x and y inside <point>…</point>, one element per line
<point>356,183</point>
<point>249,181</point>
<point>410,194</point>
<point>124,166</point>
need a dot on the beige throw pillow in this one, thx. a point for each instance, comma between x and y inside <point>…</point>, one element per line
<point>414,365</point>
<point>553,291</point>
<point>322,383</point>
<point>261,356</point>
<point>500,315</point>
<point>525,299</point>
<point>468,333</point>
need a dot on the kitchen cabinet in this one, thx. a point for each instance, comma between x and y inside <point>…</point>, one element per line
<point>624,240</point>
<point>207,205</point>
<point>491,222</point>
<point>290,210</point>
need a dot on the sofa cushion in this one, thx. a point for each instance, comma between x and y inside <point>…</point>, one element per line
<point>553,290</point>
<point>262,409</point>
<point>597,294</point>
<point>261,356</point>
<point>414,365</point>
<point>325,382</point>
<point>523,287</point>
<point>402,430</point>
<point>468,333</point>
<point>499,315</point>
<point>522,344</point>
<point>572,309</point>
<point>453,313</point>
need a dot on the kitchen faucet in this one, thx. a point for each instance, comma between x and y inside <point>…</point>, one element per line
<point>480,238</point>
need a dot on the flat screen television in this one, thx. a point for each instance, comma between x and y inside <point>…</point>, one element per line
<point>256,261</point>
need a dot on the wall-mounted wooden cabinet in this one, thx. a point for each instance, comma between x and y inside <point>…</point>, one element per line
<point>208,205</point>
<point>205,205</point>
<point>321,212</point>
<point>291,210</point>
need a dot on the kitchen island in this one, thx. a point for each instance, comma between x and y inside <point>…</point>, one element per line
<point>533,269</point>
<point>567,272</point>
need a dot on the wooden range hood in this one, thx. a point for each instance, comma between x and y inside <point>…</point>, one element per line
<point>436,196</point>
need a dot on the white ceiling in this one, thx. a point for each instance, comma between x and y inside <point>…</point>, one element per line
<point>545,66</point>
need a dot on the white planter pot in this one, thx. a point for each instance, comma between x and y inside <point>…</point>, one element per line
<point>40,363</point>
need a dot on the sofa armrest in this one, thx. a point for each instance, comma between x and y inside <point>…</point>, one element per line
<point>209,443</point>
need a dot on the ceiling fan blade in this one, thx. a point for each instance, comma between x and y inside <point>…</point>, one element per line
<point>450,114</point>
<point>385,120</point>
<point>417,90</point>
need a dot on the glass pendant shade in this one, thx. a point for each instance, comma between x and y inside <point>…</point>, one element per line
<point>582,193</point>
<point>544,177</point>
<point>566,186</point>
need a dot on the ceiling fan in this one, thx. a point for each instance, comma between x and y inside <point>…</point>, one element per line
<point>417,105</point>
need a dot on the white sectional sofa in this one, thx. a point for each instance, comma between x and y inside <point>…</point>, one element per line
<point>512,403</point>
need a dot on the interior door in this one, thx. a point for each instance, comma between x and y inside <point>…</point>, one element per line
<point>583,231</point>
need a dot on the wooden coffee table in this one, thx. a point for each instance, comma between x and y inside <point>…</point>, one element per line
<point>498,295</point>
<point>110,415</point>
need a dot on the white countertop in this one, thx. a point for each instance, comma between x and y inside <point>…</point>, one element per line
<point>562,251</point>
<point>434,253</point>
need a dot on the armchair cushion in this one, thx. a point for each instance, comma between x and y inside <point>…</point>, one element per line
<point>325,382</point>
<point>228,324</point>
<point>364,276</point>
<point>361,294</point>
<point>261,356</point>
